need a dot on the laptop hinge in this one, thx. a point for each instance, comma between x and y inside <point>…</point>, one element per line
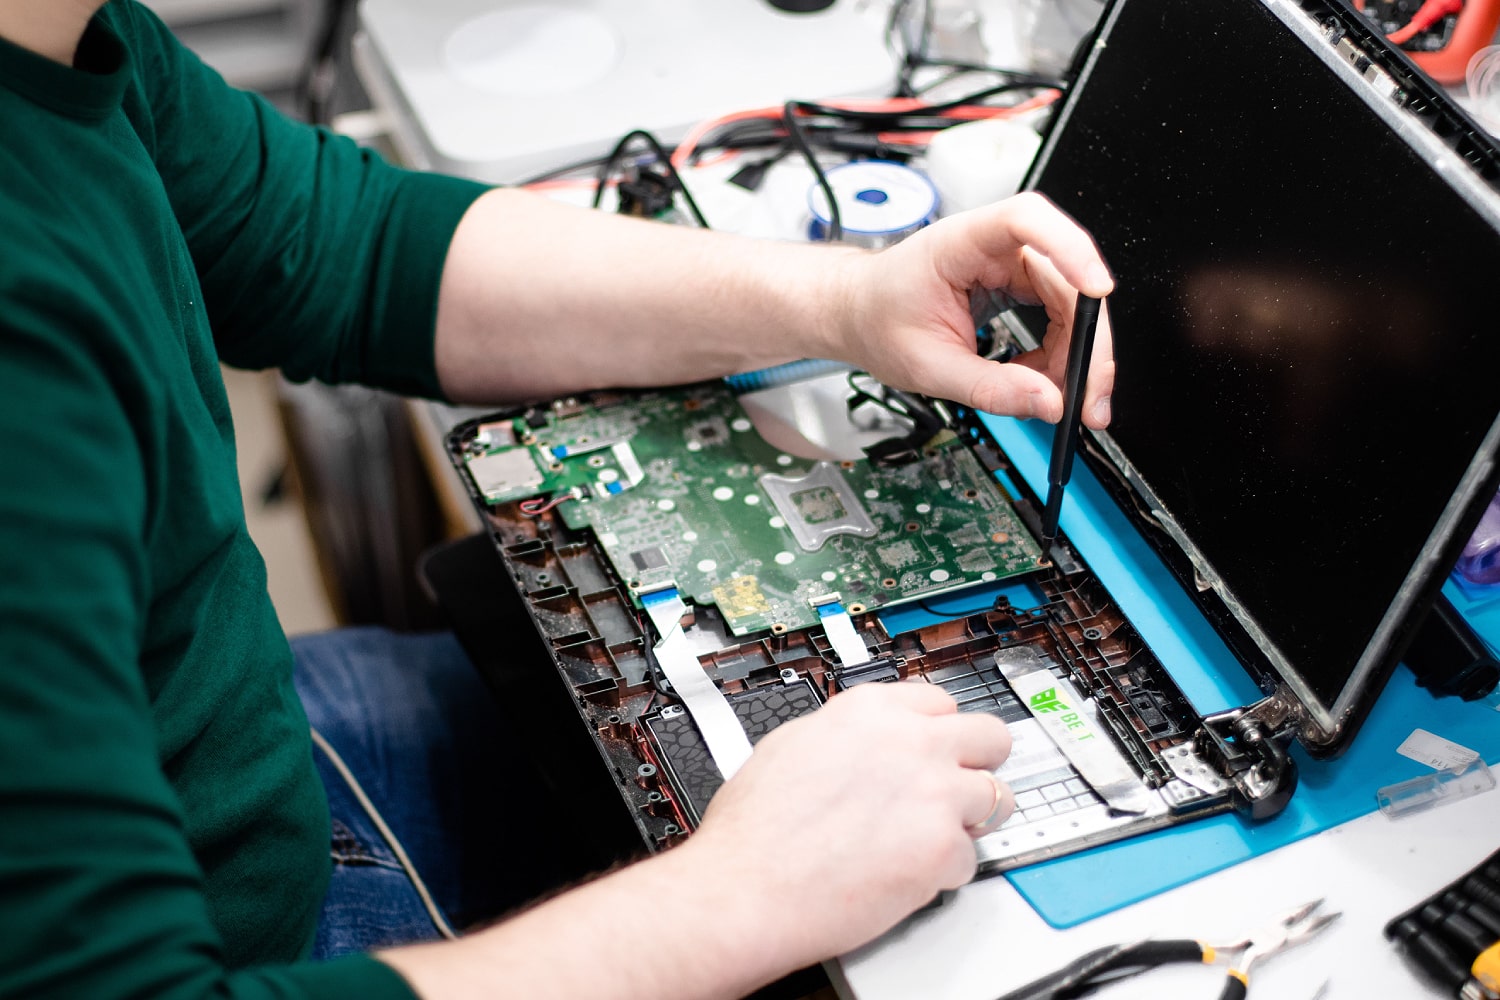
<point>1248,747</point>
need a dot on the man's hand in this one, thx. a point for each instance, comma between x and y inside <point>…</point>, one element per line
<point>839,825</point>
<point>843,822</point>
<point>910,324</point>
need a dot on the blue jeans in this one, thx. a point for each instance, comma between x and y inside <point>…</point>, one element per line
<point>421,733</point>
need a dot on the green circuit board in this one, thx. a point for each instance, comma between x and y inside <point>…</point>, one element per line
<point>679,487</point>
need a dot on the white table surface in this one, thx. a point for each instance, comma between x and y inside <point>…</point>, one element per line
<point>988,940</point>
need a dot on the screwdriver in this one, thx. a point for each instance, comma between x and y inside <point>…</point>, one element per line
<point>1432,954</point>
<point>1482,890</point>
<point>1065,438</point>
<point>1464,935</point>
<point>1460,903</point>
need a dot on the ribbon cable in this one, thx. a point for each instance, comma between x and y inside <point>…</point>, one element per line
<point>710,710</point>
<point>839,628</point>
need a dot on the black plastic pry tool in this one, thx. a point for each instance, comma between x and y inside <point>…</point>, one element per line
<point>1065,438</point>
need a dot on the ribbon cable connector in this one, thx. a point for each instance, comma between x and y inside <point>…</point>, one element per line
<point>705,703</point>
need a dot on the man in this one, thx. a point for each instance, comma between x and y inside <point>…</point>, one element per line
<point>162,828</point>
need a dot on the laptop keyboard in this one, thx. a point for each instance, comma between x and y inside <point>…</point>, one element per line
<point>1041,796</point>
<point>1043,781</point>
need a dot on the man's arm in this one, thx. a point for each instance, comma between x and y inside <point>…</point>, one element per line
<point>843,822</point>
<point>838,826</point>
<point>540,299</point>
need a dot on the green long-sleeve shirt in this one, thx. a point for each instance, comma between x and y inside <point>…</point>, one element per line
<point>162,830</point>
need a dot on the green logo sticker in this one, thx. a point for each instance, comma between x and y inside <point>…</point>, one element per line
<point>1048,701</point>
<point>1067,722</point>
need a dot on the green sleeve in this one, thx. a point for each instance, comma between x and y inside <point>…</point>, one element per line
<point>314,255</point>
<point>100,894</point>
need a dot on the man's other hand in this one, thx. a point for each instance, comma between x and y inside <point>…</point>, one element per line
<point>909,322</point>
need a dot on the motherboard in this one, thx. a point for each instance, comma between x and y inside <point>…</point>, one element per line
<point>679,487</point>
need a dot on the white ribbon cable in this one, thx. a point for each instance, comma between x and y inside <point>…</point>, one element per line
<point>839,628</point>
<point>629,464</point>
<point>722,733</point>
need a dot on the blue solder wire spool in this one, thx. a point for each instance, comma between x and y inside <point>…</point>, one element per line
<point>880,203</point>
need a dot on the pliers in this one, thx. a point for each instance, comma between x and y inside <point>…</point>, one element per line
<point>1105,965</point>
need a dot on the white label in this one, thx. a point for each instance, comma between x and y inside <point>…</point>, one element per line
<point>1436,752</point>
<point>1073,723</point>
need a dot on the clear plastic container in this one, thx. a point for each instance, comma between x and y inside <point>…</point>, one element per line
<point>1435,789</point>
<point>1480,560</point>
<point>1049,30</point>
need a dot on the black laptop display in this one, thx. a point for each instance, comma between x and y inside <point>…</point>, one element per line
<point>1309,357</point>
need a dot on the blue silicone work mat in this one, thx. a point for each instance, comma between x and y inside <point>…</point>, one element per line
<point>1077,888</point>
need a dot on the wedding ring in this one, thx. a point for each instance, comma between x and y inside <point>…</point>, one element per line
<point>982,827</point>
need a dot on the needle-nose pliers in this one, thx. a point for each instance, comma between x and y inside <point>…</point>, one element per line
<point>1108,964</point>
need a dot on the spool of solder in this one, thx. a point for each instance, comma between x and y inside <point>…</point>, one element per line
<point>879,202</point>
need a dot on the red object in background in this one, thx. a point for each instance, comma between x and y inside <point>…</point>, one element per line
<point>1474,29</point>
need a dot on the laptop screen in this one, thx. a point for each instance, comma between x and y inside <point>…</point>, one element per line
<point>1307,343</point>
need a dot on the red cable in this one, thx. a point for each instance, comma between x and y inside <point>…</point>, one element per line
<point>1427,15</point>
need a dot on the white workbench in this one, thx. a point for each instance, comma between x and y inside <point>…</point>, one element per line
<point>988,940</point>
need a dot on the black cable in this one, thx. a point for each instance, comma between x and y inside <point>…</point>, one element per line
<point>561,171</point>
<point>847,131</point>
<point>750,175</point>
<point>742,135</point>
<point>607,166</point>
<point>659,682</point>
<point>892,29</point>
<point>958,70</point>
<point>964,613</point>
<point>973,67</point>
<point>662,157</point>
<point>912,56</point>
<point>658,679</point>
<point>1020,83</point>
<point>947,77</point>
<point>915,59</point>
<point>738,135</point>
<point>316,81</point>
<point>753,133</point>
<point>794,131</point>
<point>860,395</point>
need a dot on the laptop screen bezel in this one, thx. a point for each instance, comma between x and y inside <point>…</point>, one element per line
<point>1328,725</point>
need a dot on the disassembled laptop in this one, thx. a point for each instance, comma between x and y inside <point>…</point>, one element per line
<point>704,566</point>
<point>600,502</point>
